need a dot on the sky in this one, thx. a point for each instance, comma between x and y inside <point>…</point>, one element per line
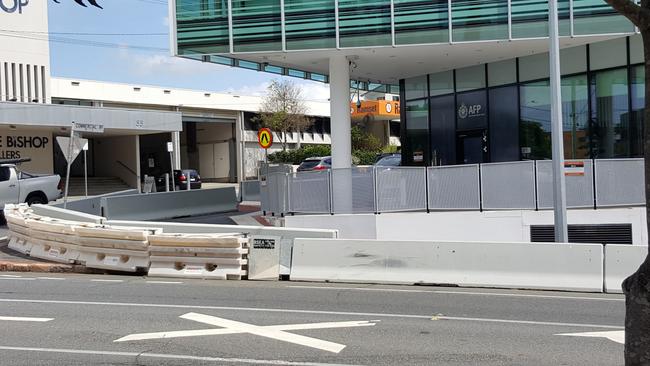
<point>137,33</point>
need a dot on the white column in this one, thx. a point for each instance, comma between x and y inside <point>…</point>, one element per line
<point>137,163</point>
<point>557,139</point>
<point>176,140</point>
<point>340,112</point>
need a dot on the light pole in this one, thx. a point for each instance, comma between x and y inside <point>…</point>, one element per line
<point>557,140</point>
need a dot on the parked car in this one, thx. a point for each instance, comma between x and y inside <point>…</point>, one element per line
<point>389,160</point>
<point>310,164</point>
<point>17,186</point>
<point>180,180</point>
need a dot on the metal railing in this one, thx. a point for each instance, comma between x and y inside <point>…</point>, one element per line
<point>522,185</point>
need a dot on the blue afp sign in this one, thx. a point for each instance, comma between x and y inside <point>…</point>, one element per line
<point>11,6</point>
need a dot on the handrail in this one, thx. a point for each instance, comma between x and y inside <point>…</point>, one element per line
<point>126,167</point>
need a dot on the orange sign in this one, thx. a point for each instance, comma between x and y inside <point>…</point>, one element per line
<point>375,109</point>
<point>265,138</point>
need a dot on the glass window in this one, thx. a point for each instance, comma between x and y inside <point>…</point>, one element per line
<point>441,83</point>
<point>636,49</point>
<point>530,18</point>
<point>364,23</point>
<point>504,124</point>
<point>607,54</point>
<point>443,130</point>
<point>533,67</point>
<point>610,115</point>
<point>202,27</point>
<point>256,25</point>
<point>535,114</point>
<point>638,107</point>
<point>475,20</point>
<point>415,87</point>
<point>573,60</point>
<point>502,72</point>
<point>471,108</point>
<point>309,24</point>
<point>416,148</point>
<point>597,17</point>
<point>419,21</point>
<point>470,78</point>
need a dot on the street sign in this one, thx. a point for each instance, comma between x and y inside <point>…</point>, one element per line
<point>265,138</point>
<point>77,147</point>
<point>574,168</point>
<point>89,127</point>
<point>170,147</point>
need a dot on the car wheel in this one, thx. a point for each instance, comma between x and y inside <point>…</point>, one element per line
<point>35,200</point>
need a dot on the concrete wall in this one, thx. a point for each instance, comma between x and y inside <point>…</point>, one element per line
<point>20,142</point>
<point>503,226</point>
<point>110,150</point>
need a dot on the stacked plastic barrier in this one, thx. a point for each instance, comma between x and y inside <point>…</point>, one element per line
<point>114,248</point>
<point>18,231</point>
<point>208,256</point>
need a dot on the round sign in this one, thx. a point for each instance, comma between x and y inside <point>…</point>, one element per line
<point>265,138</point>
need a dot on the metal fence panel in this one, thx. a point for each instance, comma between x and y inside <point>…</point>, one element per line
<point>401,189</point>
<point>508,185</point>
<point>362,199</point>
<point>579,188</point>
<point>309,192</point>
<point>454,187</point>
<point>620,182</point>
<point>277,193</point>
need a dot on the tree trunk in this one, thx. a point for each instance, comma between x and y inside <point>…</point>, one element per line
<point>284,141</point>
<point>637,286</point>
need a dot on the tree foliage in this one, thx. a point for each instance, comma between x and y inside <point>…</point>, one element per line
<point>283,110</point>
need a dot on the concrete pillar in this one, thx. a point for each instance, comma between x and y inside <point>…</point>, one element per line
<point>340,112</point>
<point>339,74</point>
<point>176,140</point>
<point>137,163</point>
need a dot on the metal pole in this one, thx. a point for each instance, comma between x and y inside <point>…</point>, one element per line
<point>67,174</point>
<point>86,172</point>
<point>557,140</point>
<point>166,182</point>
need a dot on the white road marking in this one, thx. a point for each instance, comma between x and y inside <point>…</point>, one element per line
<point>298,311</point>
<point>167,356</point>
<point>449,292</point>
<point>22,319</point>
<point>165,282</point>
<point>18,278</point>
<point>116,281</point>
<point>617,336</point>
<point>51,278</point>
<point>277,332</point>
<point>10,276</point>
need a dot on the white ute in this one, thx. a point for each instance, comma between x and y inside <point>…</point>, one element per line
<point>20,187</point>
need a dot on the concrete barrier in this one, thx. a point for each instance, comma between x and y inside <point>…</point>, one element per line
<point>620,262</point>
<point>93,205</point>
<point>507,265</point>
<point>165,205</point>
<point>250,190</point>
<point>286,235</point>
<point>63,214</point>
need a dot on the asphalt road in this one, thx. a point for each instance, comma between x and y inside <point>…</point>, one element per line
<point>80,318</point>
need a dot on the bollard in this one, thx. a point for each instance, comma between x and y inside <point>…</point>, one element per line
<point>166,182</point>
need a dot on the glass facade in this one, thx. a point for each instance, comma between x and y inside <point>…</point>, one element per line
<point>602,111</point>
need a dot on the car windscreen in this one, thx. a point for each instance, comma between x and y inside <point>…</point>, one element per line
<point>308,164</point>
<point>390,161</point>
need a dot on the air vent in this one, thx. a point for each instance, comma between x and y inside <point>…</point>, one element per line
<point>595,234</point>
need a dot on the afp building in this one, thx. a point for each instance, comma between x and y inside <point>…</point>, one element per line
<point>473,76</point>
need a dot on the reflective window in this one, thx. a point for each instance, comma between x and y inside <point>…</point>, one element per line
<point>472,110</point>
<point>597,17</point>
<point>256,25</point>
<point>638,107</point>
<point>202,27</point>
<point>443,130</point>
<point>530,18</point>
<point>475,20</point>
<point>441,83</point>
<point>504,120</point>
<point>364,23</point>
<point>419,21</point>
<point>309,24</point>
<point>416,149</point>
<point>416,87</point>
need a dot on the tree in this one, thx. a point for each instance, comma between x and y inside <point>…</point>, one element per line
<point>637,286</point>
<point>283,110</point>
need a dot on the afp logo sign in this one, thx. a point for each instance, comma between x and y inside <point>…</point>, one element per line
<point>474,110</point>
<point>12,6</point>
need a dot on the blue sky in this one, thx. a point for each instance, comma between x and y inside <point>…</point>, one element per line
<point>136,66</point>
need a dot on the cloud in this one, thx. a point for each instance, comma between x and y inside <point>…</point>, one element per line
<point>165,21</point>
<point>147,65</point>
<point>311,91</point>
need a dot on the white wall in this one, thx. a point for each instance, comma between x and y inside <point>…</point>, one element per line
<point>22,52</point>
<point>497,226</point>
<point>15,143</point>
<point>112,149</point>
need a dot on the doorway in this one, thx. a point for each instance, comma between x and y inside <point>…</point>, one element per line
<point>472,147</point>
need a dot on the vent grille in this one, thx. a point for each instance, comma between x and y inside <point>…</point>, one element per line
<point>595,234</point>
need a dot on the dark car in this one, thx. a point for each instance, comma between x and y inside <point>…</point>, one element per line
<point>180,180</point>
<point>390,160</point>
<point>311,164</point>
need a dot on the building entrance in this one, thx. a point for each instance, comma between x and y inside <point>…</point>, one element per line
<point>472,147</point>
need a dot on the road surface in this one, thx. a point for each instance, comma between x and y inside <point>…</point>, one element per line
<point>70,319</point>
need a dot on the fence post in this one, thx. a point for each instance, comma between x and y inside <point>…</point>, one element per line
<point>427,185</point>
<point>330,191</point>
<point>375,180</point>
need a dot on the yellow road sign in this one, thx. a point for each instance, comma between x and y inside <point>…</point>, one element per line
<point>265,138</point>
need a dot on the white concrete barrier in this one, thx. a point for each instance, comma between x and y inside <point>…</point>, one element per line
<point>508,265</point>
<point>63,214</point>
<point>620,262</point>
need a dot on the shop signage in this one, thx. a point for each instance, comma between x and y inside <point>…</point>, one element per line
<point>469,111</point>
<point>89,127</point>
<point>14,145</point>
<point>12,6</point>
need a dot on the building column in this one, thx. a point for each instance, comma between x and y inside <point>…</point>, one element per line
<point>340,112</point>
<point>137,164</point>
<point>340,122</point>
<point>176,140</point>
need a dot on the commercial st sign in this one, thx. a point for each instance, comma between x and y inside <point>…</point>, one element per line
<point>12,6</point>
